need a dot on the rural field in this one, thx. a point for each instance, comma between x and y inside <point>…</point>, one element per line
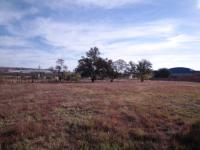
<point>123,115</point>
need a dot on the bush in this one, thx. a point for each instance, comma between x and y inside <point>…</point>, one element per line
<point>162,73</point>
<point>71,76</point>
<point>75,77</point>
<point>190,137</point>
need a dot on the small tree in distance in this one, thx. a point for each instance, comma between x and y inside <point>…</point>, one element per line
<point>120,66</point>
<point>143,69</point>
<point>94,66</point>
<point>60,62</point>
<point>131,69</point>
<point>87,66</point>
<point>60,67</point>
<point>110,70</point>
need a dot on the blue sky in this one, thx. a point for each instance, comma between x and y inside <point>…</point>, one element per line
<point>37,32</point>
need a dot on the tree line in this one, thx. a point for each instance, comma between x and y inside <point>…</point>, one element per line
<point>92,66</point>
<point>95,67</point>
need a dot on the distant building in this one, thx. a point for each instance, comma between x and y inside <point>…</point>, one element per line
<point>9,70</point>
<point>28,71</point>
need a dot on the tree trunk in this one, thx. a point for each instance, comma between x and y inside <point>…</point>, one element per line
<point>93,79</point>
<point>112,79</point>
<point>142,79</point>
<point>32,78</point>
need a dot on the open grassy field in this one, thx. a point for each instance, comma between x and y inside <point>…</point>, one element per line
<point>123,115</point>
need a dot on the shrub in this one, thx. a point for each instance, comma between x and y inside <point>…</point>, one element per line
<point>71,76</point>
<point>162,73</point>
<point>190,137</point>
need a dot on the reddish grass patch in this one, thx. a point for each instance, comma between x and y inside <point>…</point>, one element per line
<point>119,115</point>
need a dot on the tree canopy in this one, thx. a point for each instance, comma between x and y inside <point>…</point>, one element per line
<point>143,69</point>
<point>94,66</point>
<point>162,73</point>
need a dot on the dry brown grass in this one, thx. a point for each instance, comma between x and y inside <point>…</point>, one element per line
<point>105,116</point>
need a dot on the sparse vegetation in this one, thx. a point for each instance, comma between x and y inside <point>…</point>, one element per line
<point>124,115</point>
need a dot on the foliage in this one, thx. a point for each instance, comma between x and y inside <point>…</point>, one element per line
<point>60,62</point>
<point>190,137</point>
<point>120,66</point>
<point>94,66</point>
<point>93,53</point>
<point>61,68</point>
<point>144,69</point>
<point>86,68</point>
<point>131,68</point>
<point>88,65</point>
<point>71,76</point>
<point>162,73</point>
<point>111,72</point>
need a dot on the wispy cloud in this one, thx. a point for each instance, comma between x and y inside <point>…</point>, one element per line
<point>77,36</point>
<point>45,30</point>
<point>107,4</point>
<point>9,13</point>
<point>7,41</point>
<point>31,57</point>
<point>198,4</point>
<point>115,42</point>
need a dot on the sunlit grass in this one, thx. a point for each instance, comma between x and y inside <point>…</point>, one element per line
<point>120,115</point>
